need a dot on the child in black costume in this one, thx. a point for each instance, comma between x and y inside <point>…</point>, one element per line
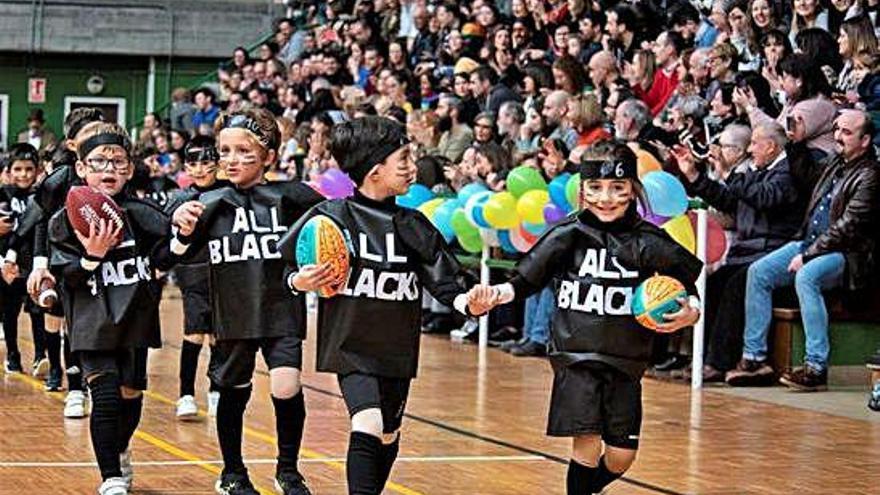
<point>112,314</point>
<point>21,165</point>
<point>369,333</point>
<point>252,310</point>
<point>598,351</point>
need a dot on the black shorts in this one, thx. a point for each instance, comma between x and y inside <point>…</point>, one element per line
<point>236,360</point>
<point>595,398</point>
<point>130,365</point>
<point>389,395</point>
<point>193,283</point>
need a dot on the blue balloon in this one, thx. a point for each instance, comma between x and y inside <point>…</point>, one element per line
<point>473,209</point>
<point>415,196</point>
<point>504,241</point>
<point>666,194</point>
<point>557,191</point>
<point>469,190</point>
<point>443,218</point>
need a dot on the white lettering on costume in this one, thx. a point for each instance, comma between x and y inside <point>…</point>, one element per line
<point>384,285</point>
<point>258,242</point>
<point>595,297</point>
<point>129,271</point>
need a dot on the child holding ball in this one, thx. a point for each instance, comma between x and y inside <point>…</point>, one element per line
<point>594,261</point>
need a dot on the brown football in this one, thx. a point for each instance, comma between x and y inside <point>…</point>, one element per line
<point>86,206</point>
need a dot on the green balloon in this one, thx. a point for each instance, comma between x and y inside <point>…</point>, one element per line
<point>461,226</point>
<point>572,190</point>
<point>471,243</point>
<point>523,179</point>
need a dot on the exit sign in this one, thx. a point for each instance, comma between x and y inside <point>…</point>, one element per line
<point>37,90</point>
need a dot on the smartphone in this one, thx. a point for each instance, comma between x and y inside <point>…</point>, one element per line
<point>790,123</point>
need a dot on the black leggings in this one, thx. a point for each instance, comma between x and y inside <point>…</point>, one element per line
<point>14,296</point>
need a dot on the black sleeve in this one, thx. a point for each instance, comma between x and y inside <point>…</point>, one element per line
<point>655,252</point>
<point>67,254</point>
<point>27,225</point>
<point>436,267</point>
<point>714,193</point>
<point>41,238</point>
<point>544,260</point>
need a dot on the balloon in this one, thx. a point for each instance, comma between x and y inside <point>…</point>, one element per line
<point>500,211</point>
<point>650,217</point>
<point>461,226</point>
<point>490,237</point>
<point>679,228</point>
<point>443,218</point>
<point>473,209</point>
<point>556,188</point>
<point>646,163</point>
<point>666,195</point>
<point>535,229</point>
<point>523,179</point>
<point>505,242</point>
<point>528,236</point>
<point>471,243</point>
<point>469,190</point>
<point>335,184</point>
<point>415,196</point>
<point>716,240</point>
<point>530,206</point>
<point>428,208</point>
<point>553,213</point>
<point>518,241</point>
<point>572,190</point>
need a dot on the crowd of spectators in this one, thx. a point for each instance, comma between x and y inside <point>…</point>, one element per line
<point>766,109</point>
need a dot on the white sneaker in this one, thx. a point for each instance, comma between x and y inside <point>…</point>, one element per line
<point>41,368</point>
<point>113,486</point>
<point>75,405</point>
<point>187,409</point>
<point>126,467</point>
<point>213,400</point>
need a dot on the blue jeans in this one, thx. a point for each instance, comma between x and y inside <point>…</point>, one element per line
<point>539,314</point>
<point>771,272</point>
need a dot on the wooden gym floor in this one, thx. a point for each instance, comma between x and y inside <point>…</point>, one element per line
<point>475,425</point>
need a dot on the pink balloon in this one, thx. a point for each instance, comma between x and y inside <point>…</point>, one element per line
<point>716,241</point>
<point>516,238</point>
<point>184,180</point>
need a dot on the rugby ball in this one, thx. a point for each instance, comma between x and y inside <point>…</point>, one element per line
<point>322,241</point>
<point>86,206</point>
<point>655,297</point>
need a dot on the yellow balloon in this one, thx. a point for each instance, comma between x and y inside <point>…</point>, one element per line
<point>530,206</point>
<point>500,211</point>
<point>680,229</point>
<point>646,163</point>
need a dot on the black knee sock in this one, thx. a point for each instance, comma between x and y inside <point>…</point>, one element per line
<point>230,424</point>
<point>53,349</point>
<point>104,423</point>
<point>10,332</point>
<point>128,420</point>
<point>290,417</point>
<point>213,362</point>
<point>74,371</point>
<point>38,333</point>
<point>580,478</point>
<point>603,476</point>
<point>389,455</point>
<point>189,364</point>
<point>363,466</point>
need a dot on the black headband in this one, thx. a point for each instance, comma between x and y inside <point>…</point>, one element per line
<point>241,121</point>
<point>201,154</point>
<point>104,139</point>
<point>360,171</point>
<point>608,169</point>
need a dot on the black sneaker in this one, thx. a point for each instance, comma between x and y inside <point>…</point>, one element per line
<point>873,362</point>
<point>805,379</point>
<point>510,344</point>
<point>235,484</point>
<point>750,373</point>
<point>13,364</point>
<point>291,483</point>
<point>676,362</point>
<point>529,349</point>
<point>53,381</point>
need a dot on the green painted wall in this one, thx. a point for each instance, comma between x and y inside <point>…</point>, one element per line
<point>125,77</point>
